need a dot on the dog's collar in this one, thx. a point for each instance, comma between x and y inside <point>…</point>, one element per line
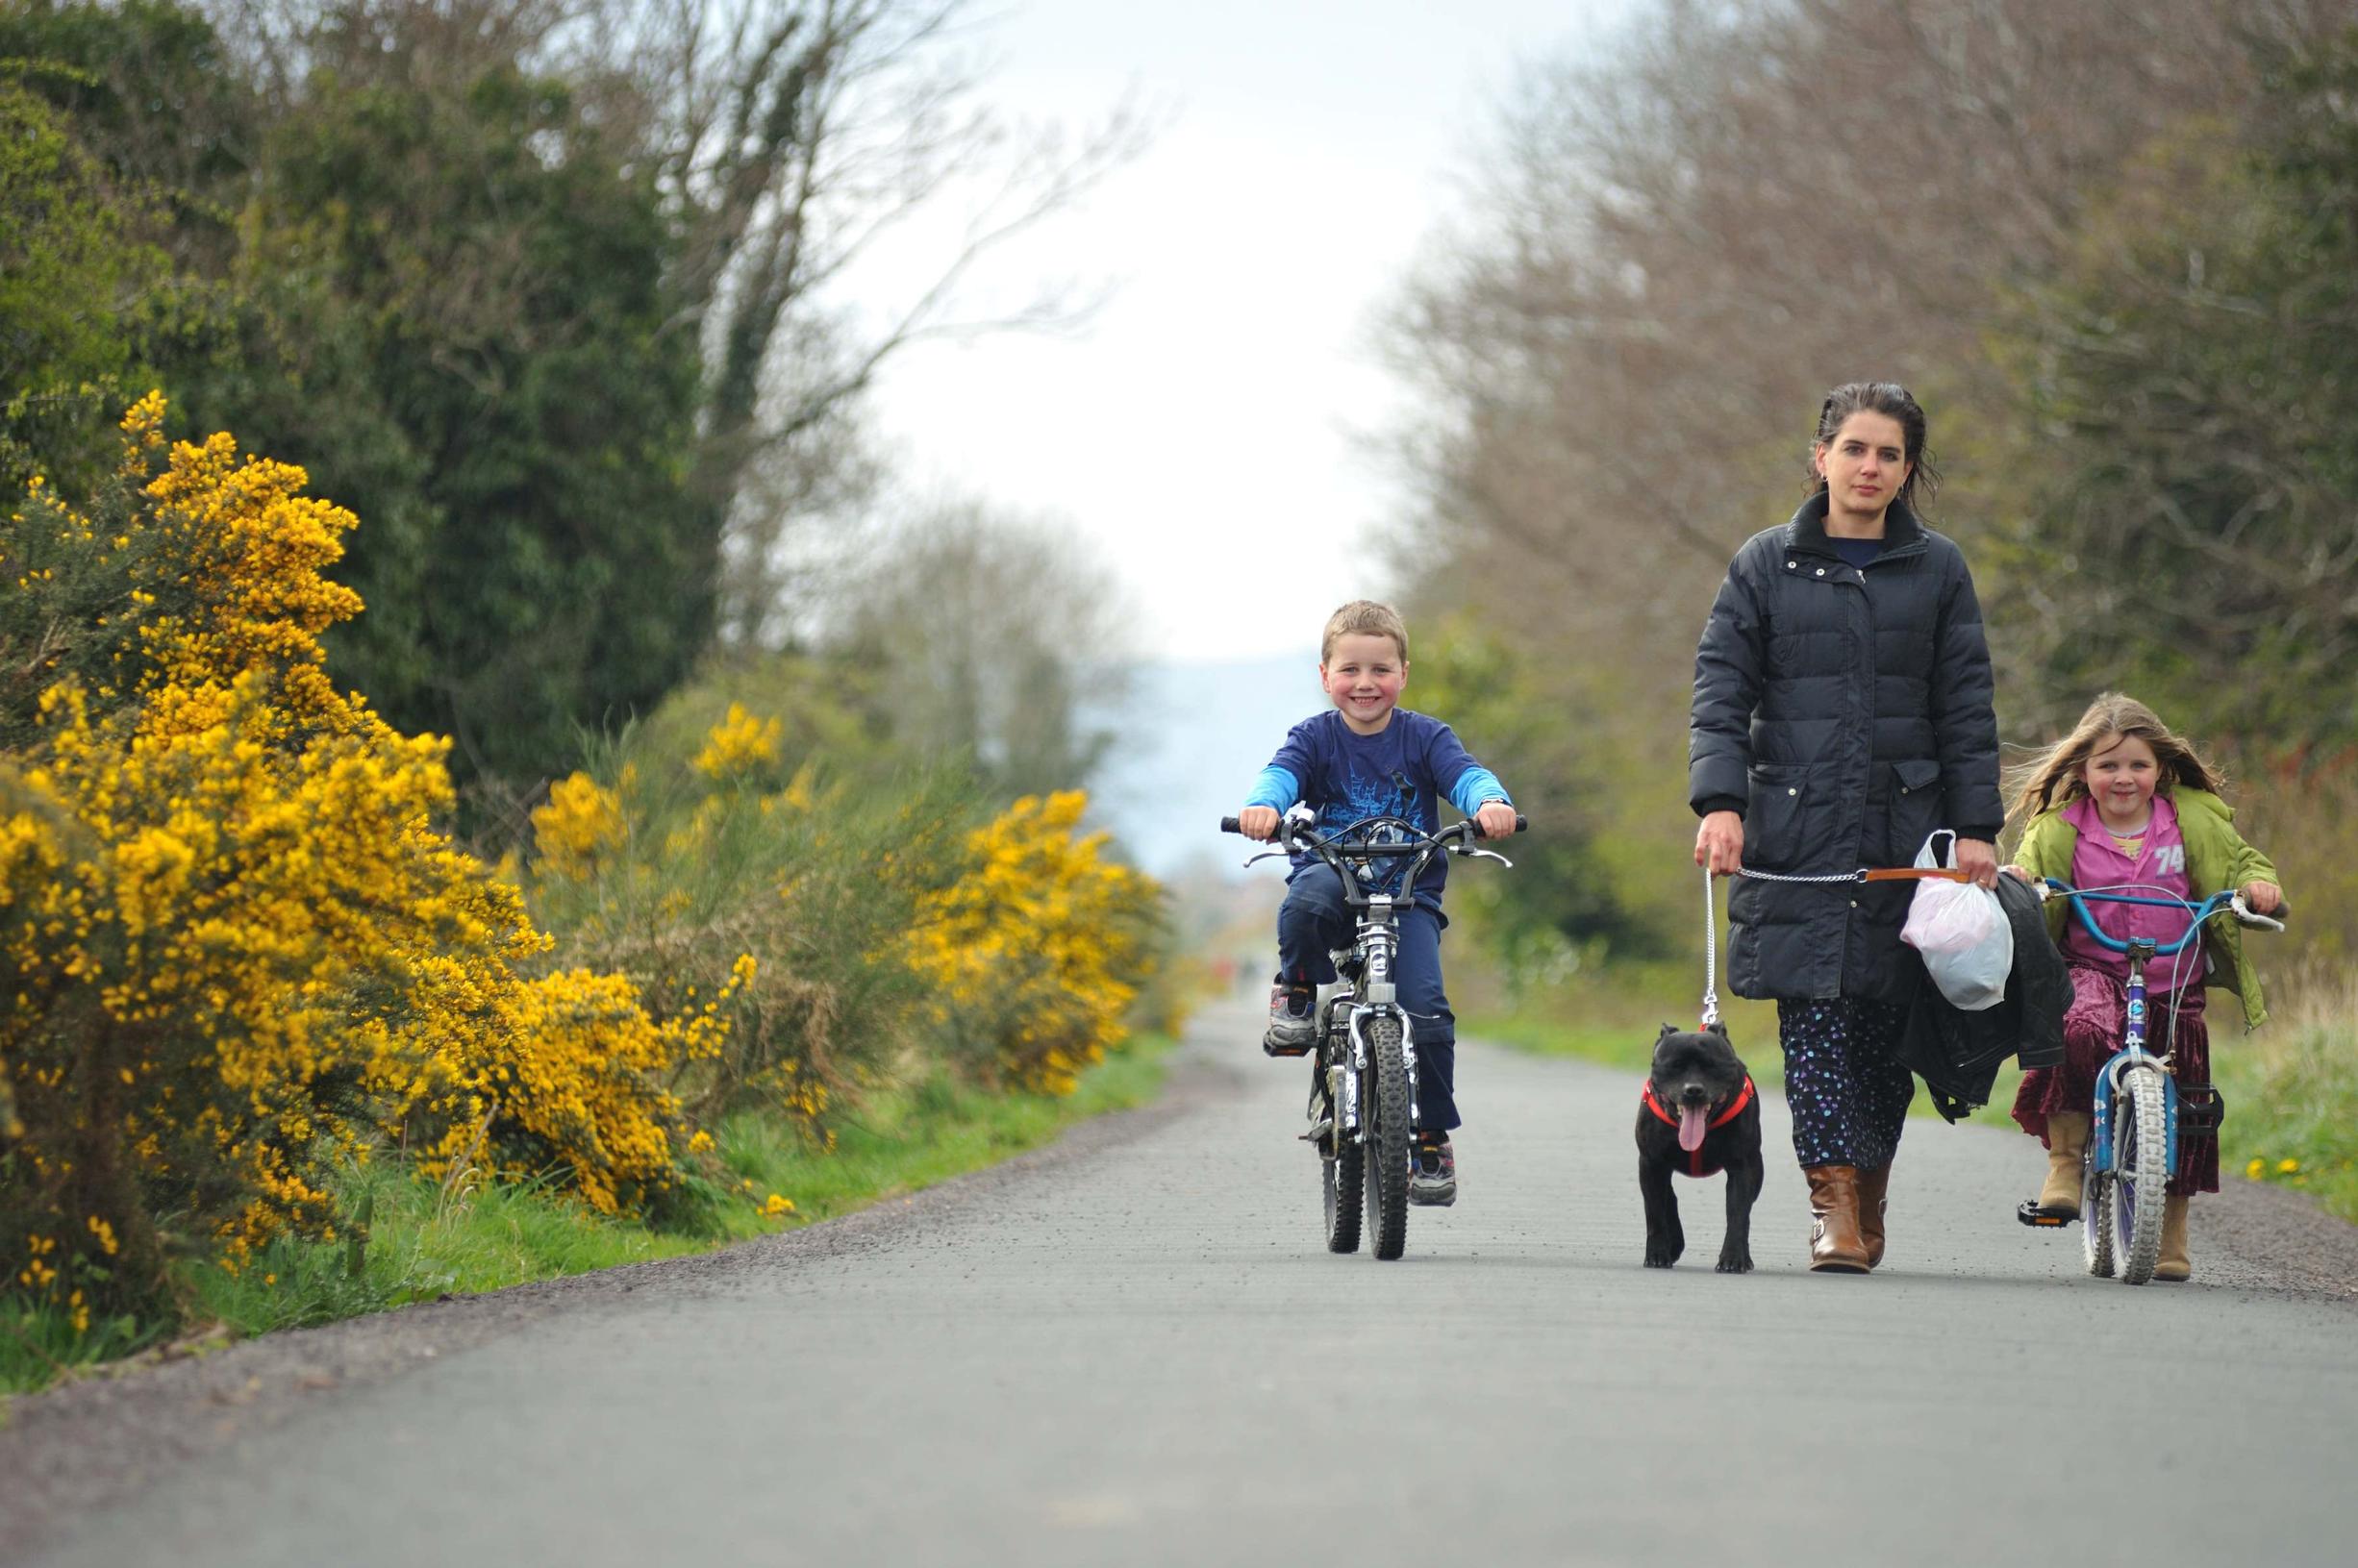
<point>1734,1108</point>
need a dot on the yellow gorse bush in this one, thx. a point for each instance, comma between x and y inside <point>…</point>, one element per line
<point>1034,953</point>
<point>238,948</point>
<point>580,822</point>
<point>740,742</point>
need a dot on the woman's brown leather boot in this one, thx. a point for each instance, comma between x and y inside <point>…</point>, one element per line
<point>1872,1187</point>
<point>1835,1244</point>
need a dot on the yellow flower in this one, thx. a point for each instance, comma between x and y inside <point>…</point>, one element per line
<point>2257,1169</point>
<point>580,821</point>
<point>777,1207</point>
<point>739,743</point>
<point>2286,1167</point>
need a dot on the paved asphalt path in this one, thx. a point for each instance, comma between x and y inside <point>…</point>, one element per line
<point>1137,1353</point>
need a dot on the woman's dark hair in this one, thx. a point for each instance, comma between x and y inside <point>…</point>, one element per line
<point>1893,401</point>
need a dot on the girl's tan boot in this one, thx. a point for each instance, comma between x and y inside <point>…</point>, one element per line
<point>2066,1146</point>
<point>2173,1265</point>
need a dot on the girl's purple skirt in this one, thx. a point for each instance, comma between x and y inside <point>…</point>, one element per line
<point>2091,1033</point>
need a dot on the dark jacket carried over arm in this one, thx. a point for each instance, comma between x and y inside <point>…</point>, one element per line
<point>1847,713</point>
<point>1957,1054</point>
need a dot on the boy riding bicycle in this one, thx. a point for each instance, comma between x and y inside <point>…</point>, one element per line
<point>1368,757</point>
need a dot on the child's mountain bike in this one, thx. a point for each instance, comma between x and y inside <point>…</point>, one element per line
<point>2141,1108</point>
<point>1363,1082</point>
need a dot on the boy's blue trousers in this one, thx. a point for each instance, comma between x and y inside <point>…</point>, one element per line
<point>1313,920</point>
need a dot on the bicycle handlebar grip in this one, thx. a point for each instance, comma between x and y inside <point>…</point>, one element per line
<point>1521,823</point>
<point>1228,824</point>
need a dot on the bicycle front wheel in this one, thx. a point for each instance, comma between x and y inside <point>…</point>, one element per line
<point>1388,1138</point>
<point>2140,1173</point>
<point>1343,1172</point>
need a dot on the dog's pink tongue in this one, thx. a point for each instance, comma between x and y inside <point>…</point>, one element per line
<point>1691,1128</point>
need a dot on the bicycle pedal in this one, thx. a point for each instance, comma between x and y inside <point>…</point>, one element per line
<point>1319,1133</point>
<point>1270,1049</point>
<point>2030,1213</point>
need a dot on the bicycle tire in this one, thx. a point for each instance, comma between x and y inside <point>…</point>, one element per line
<point>2096,1218</point>
<point>2141,1174</point>
<point>1388,1138</point>
<point>1342,1177</point>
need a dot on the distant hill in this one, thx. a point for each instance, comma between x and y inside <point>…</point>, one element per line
<point>1187,744</point>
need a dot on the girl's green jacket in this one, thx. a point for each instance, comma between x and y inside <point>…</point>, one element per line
<point>2216,857</point>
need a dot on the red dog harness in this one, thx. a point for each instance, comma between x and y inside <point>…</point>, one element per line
<point>1694,1156</point>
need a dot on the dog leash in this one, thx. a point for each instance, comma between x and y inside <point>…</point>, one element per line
<point>1710,915</point>
<point>1711,956</point>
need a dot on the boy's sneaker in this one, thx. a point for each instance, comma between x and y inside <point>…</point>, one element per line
<point>1432,1174</point>
<point>1292,1028</point>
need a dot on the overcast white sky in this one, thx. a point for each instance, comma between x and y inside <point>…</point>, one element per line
<point>1306,149</point>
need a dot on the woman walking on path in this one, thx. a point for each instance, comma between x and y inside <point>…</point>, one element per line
<point>1842,714</point>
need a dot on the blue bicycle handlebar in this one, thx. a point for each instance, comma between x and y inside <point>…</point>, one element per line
<point>2197,914</point>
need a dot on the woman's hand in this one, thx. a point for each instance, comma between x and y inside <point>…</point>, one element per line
<point>1977,858</point>
<point>2262,897</point>
<point>1719,843</point>
<point>1258,822</point>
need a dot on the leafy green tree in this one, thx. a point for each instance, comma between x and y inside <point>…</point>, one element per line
<point>459,323</point>
<point>72,275</point>
<point>2193,427</point>
<point>1568,898</point>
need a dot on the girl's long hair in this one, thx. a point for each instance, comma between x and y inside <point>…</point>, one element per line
<point>2052,778</point>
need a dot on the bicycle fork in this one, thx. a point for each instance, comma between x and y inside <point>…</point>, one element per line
<point>1377,999</point>
<point>2133,1057</point>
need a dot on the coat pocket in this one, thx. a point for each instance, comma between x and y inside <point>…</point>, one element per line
<point>1773,820</point>
<point>1912,809</point>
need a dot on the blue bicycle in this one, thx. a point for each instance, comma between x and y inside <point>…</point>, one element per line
<point>2139,1109</point>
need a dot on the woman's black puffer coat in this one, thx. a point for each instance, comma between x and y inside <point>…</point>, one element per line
<point>1847,713</point>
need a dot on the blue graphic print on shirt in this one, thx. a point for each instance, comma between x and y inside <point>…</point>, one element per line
<point>1400,771</point>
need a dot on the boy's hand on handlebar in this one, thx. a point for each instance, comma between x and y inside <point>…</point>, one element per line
<point>1719,843</point>
<point>1495,819</point>
<point>2262,897</point>
<point>1258,822</point>
<point>1977,858</point>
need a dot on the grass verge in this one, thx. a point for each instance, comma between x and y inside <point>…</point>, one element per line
<point>427,1240</point>
<point>2292,1093</point>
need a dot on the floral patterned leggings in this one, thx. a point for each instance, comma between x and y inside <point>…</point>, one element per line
<point>1845,1086</point>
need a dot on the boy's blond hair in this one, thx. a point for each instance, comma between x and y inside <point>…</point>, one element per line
<point>1364,617</point>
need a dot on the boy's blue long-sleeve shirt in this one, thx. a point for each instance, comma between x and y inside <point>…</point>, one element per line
<point>1401,771</point>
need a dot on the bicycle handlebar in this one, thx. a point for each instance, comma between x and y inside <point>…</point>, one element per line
<point>2226,899</point>
<point>1229,824</point>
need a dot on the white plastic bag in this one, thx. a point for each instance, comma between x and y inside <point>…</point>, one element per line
<point>1962,933</point>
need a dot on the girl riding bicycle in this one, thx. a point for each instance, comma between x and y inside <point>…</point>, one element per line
<point>2124,801</point>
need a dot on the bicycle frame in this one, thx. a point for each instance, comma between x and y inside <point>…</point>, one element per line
<point>1369,993</point>
<point>2133,1057</point>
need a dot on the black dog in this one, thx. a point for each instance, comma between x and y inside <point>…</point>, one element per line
<point>1700,1115</point>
